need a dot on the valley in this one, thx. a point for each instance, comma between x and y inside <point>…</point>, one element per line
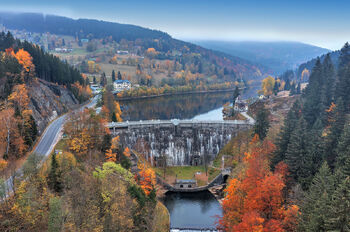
<point>110,126</point>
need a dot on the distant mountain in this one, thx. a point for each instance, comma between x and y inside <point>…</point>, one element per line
<point>277,56</point>
<point>311,63</point>
<point>234,67</point>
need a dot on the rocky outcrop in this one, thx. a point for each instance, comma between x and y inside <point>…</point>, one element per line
<point>48,100</point>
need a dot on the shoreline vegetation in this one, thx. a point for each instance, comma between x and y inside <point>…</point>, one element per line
<point>152,92</point>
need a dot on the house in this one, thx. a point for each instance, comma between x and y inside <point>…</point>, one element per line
<point>262,97</point>
<point>121,52</point>
<point>240,105</point>
<point>120,85</point>
<point>186,184</point>
<point>95,88</point>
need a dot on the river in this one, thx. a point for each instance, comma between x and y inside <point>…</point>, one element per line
<point>188,211</point>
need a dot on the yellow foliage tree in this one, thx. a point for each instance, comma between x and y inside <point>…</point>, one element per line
<point>267,85</point>
<point>305,74</point>
<point>80,144</point>
<point>91,66</point>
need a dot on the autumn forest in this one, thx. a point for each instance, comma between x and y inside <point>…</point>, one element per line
<point>107,126</point>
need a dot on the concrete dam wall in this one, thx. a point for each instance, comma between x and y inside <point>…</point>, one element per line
<point>182,142</point>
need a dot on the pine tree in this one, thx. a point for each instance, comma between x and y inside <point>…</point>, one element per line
<point>335,131</point>
<point>275,87</point>
<point>343,84</point>
<point>317,200</point>
<point>119,75</point>
<point>329,80</point>
<point>262,124</point>
<point>297,158</point>
<point>287,85</point>
<point>114,117</point>
<point>298,90</point>
<point>312,107</point>
<point>113,76</point>
<point>343,152</point>
<point>103,81</point>
<point>235,95</point>
<point>339,210</point>
<point>292,89</point>
<point>284,135</point>
<point>54,177</point>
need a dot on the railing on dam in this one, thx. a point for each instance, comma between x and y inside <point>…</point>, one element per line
<point>177,122</point>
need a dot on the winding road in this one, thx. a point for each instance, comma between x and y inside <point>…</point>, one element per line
<point>49,139</point>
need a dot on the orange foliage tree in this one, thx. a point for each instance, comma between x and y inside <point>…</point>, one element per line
<point>24,59</point>
<point>110,156</point>
<point>254,200</point>
<point>146,178</point>
<point>126,152</point>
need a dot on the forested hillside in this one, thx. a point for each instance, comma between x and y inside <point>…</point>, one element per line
<point>311,63</point>
<point>276,56</point>
<point>301,180</point>
<point>315,143</point>
<point>30,96</point>
<point>191,57</point>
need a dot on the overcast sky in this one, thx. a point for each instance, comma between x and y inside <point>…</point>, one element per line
<point>320,22</point>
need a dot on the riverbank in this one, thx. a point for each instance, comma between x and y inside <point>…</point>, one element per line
<point>175,93</point>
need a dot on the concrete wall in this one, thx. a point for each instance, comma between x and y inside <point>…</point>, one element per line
<point>183,143</point>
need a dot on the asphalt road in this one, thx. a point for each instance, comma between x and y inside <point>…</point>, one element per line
<point>49,139</point>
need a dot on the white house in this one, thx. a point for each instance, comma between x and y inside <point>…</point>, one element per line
<point>240,105</point>
<point>120,85</point>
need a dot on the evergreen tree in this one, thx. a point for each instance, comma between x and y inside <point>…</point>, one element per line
<point>54,177</point>
<point>298,90</point>
<point>30,131</point>
<point>119,75</point>
<point>275,87</point>
<point>113,76</point>
<point>103,81</point>
<point>94,80</point>
<point>312,103</point>
<point>114,117</point>
<point>292,89</point>
<point>339,210</point>
<point>343,152</point>
<point>317,201</point>
<point>329,80</point>
<point>343,84</point>
<point>235,95</point>
<point>335,131</point>
<point>297,158</point>
<point>262,123</point>
<point>284,135</point>
<point>287,85</point>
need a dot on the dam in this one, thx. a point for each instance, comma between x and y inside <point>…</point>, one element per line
<point>182,142</point>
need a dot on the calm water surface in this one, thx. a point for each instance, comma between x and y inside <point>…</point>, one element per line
<point>204,106</point>
<point>193,210</point>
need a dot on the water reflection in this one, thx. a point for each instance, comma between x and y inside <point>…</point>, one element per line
<point>186,106</point>
<point>192,210</point>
